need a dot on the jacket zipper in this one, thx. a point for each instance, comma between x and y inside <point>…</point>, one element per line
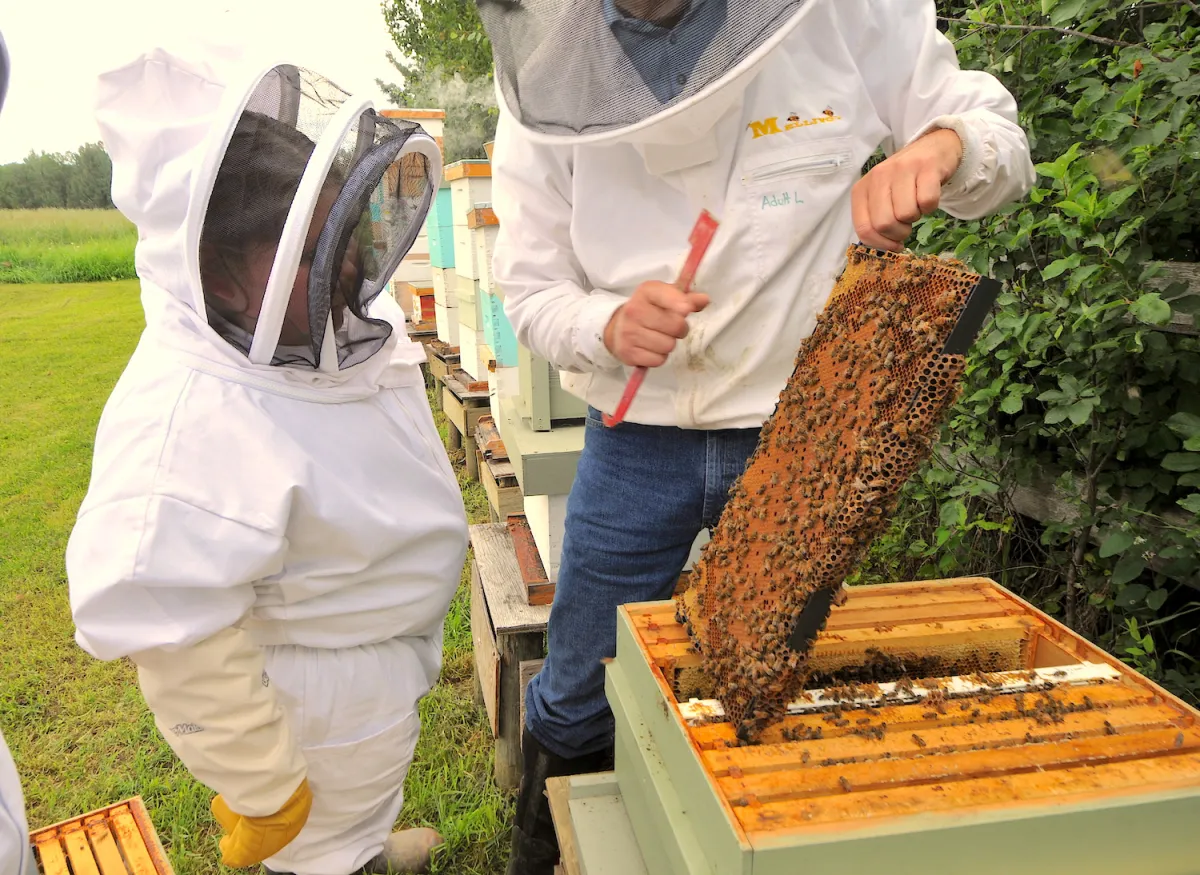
<point>797,166</point>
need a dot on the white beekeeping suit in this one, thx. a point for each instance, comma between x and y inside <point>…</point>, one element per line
<point>16,857</point>
<point>272,532</point>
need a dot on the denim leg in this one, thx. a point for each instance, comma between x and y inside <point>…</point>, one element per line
<point>641,496</point>
<point>635,508</point>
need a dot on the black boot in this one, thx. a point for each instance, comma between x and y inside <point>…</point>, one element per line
<point>534,843</point>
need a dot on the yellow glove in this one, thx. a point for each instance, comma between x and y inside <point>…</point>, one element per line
<point>250,840</point>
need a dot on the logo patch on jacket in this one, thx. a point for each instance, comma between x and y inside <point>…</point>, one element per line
<point>772,125</point>
<point>186,728</point>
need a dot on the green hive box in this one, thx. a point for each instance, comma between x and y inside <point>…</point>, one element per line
<point>1062,761</point>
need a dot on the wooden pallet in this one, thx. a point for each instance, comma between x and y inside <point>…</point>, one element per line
<point>952,754</point>
<point>117,840</point>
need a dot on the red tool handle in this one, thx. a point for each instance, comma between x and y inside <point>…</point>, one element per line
<point>701,236</point>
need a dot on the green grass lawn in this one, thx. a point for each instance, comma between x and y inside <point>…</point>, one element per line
<point>78,728</point>
<point>65,246</point>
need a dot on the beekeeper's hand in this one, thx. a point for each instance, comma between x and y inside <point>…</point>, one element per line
<point>897,192</point>
<point>644,330</point>
<point>250,840</point>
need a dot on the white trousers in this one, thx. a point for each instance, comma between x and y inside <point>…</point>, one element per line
<point>354,713</point>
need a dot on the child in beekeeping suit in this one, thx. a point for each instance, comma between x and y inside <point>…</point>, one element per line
<point>272,533</point>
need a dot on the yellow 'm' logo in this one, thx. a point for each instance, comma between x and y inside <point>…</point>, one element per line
<point>768,126</point>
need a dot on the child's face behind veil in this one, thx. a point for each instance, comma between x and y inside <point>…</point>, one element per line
<point>242,296</point>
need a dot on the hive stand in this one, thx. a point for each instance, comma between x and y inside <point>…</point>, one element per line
<point>117,840</point>
<point>464,401</point>
<point>496,472</point>
<point>509,637</point>
<point>1015,746</point>
<point>442,359</point>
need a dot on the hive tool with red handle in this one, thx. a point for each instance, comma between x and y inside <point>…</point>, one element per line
<point>702,234</point>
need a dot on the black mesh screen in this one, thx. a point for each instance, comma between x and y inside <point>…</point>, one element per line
<point>368,213</point>
<point>574,67</point>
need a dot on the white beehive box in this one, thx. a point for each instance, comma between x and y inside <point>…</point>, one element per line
<point>445,286</point>
<point>470,184</point>
<point>448,328</point>
<point>547,516</point>
<point>432,121</point>
<point>469,342</point>
<point>470,304</point>
<point>484,238</point>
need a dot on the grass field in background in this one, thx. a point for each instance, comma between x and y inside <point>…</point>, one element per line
<point>65,246</point>
<point>78,728</point>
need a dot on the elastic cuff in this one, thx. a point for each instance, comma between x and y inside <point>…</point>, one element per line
<point>971,146</point>
<point>594,317</point>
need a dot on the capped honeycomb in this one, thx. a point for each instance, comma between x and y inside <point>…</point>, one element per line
<point>869,391</point>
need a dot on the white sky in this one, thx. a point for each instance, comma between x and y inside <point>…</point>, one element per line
<point>58,47</point>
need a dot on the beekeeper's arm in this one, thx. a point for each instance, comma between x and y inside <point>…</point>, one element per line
<point>918,86</point>
<point>553,311</point>
<point>166,584</point>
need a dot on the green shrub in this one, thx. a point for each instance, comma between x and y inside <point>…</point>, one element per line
<point>1078,397</point>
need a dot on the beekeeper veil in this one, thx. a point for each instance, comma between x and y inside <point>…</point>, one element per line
<point>588,71</point>
<point>315,201</point>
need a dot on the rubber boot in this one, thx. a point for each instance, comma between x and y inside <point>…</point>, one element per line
<point>407,852</point>
<point>534,842</point>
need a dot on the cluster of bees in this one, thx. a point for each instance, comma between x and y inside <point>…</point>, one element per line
<point>859,414</point>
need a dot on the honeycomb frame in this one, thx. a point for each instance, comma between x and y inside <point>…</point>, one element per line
<point>861,411</point>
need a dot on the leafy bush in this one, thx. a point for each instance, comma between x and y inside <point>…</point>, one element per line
<point>1083,396</point>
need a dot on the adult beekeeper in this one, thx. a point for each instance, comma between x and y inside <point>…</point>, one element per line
<point>620,121</point>
<point>272,533</point>
<point>16,856</point>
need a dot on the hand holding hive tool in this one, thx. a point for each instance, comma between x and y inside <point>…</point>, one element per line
<point>858,416</point>
<point>700,238</point>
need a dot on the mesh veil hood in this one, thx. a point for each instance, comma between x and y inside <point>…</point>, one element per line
<point>167,118</point>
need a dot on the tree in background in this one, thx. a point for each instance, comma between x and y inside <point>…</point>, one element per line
<point>445,60</point>
<point>76,180</point>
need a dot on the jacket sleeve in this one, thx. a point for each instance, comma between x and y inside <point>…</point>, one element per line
<point>547,298</point>
<point>166,584</point>
<point>918,86</point>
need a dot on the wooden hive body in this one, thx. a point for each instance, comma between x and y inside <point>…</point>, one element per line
<point>117,840</point>
<point>1092,768</point>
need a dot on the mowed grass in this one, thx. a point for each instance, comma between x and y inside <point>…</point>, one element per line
<point>78,728</point>
<point>65,246</point>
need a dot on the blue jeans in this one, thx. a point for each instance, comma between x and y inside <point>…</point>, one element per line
<point>641,496</point>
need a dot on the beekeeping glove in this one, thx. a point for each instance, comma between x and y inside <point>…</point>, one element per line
<point>213,703</point>
<point>250,840</point>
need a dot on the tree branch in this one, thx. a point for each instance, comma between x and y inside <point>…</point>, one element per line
<point>1034,28</point>
<point>1064,31</point>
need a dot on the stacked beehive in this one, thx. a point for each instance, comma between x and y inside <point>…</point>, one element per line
<point>416,267</point>
<point>440,231</point>
<point>470,205</point>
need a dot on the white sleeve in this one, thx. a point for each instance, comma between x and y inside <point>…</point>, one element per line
<point>166,584</point>
<point>547,298</point>
<point>153,571</point>
<point>912,71</point>
<point>16,857</point>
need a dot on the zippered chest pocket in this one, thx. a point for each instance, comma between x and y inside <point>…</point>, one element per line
<point>789,194</point>
<point>788,168</point>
